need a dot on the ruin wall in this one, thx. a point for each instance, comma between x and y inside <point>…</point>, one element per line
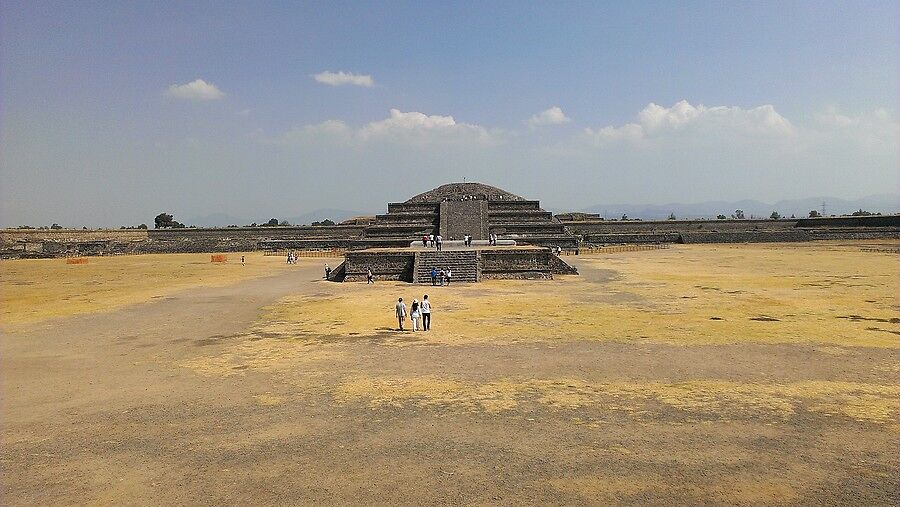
<point>384,265</point>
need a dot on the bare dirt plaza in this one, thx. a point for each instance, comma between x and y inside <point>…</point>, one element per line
<point>734,374</point>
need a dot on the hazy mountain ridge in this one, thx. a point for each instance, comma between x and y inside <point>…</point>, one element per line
<point>878,203</point>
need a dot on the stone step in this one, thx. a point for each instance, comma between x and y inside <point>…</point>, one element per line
<point>463,264</point>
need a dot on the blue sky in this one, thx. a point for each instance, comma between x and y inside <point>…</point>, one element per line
<point>777,100</point>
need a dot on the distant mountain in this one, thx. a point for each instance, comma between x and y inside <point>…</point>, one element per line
<point>224,220</point>
<point>215,220</point>
<point>880,203</point>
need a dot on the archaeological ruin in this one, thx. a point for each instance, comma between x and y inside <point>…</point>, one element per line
<point>452,210</point>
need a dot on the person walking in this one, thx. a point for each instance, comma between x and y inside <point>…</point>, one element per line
<point>370,277</point>
<point>434,274</point>
<point>449,274</point>
<point>242,260</point>
<point>443,275</point>
<point>431,240</point>
<point>440,242</point>
<point>414,314</point>
<point>425,241</point>
<point>400,310</point>
<point>425,308</point>
<point>327,271</point>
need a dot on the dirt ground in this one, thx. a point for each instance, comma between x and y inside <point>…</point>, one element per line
<point>738,374</point>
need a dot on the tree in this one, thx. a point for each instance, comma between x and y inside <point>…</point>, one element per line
<point>142,226</point>
<point>738,214</point>
<point>672,216</point>
<point>624,216</point>
<point>56,226</point>
<point>272,222</point>
<point>861,213</point>
<point>163,221</point>
<point>814,214</point>
<point>284,223</point>
<point>721,217</point>
<point>775,215</point>
<point>323,222</point>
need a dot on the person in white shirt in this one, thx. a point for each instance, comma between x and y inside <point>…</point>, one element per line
<point>400,310</point>
<point>414,313</point>
<point>440,242</point>
<point>425,308</point>
<point>449,274</point>
<point>431,240</point>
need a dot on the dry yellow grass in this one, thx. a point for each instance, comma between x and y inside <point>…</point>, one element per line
<point>699,398</point>
<point>33,290</point>
<point>823,293</point>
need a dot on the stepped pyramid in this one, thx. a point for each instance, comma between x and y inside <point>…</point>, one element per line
<point>456,209</point>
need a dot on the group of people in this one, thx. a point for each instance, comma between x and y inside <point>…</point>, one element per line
<point>430,240</point>
<point>417,311</point>
<point>437,242</point>
<point>292,258</point>
<point>444,275</point>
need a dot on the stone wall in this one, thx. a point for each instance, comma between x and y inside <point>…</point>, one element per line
<point>760,236</point>
<point>736,231</point>
<point>458,218</point>
<point>50,243</point>
<point>514,264</point>
<point>676,226</point>
<point>385,265</point>
<point>646,237</point>
<point>866,221</point>
<point>16,243</point>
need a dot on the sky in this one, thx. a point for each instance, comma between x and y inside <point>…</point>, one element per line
<point>112,112</point>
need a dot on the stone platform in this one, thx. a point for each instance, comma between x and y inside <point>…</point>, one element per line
<point>468,265</point>
<point>458,244</point>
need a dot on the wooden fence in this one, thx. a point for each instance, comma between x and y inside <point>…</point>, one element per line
<point>621,248</point>
<point>329,252</point>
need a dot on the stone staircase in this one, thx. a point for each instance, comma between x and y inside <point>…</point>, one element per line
<point>462,263</point>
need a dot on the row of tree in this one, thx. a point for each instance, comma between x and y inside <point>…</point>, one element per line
<point>167,221</point>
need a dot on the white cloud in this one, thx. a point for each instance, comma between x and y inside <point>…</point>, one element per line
<point>195,90</point>
<point>552,116</point>
<point>344,78</point>
<point>410,128</point>
<point>420,127</point>
<point>684,119</point>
